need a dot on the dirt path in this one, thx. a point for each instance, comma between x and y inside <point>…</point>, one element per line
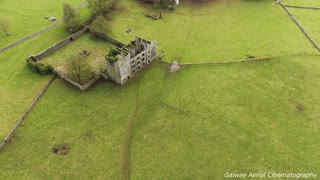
<point>38,33</point>
<point>126,152</point>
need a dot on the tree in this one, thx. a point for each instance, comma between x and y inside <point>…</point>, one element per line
<point>4,26</point>
<point>100,6</point>
<point>71,18</point>
<point>79,69</point>
<point>167,3</point>
<point>101,25</point>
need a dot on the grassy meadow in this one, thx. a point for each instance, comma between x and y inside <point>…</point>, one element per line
<point>196,123</point>
<point>214,32</point>
<point>309,20</point>
<point>249,117</point>
<point>309,3</point>
<point>27,17</point>
<point>199,122</point>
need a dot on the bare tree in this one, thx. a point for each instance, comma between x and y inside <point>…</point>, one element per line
<point>78,68</point>
<point>4,26</point>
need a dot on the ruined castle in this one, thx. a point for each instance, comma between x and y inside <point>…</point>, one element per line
<point>130,59</point>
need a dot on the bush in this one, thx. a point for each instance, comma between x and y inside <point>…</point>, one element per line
<point>111,57</point>
<point>43,69</point>
<point>39,67</point>
<point>101,25</point>
<point>31,65</point>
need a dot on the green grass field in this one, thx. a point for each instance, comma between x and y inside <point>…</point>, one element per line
<point>26,17</point>
<point>231,118</point>
<point>96,47</point>
<point>309,20</point>
<point>19,85</point>
<point>309,3</point>
<point>204,122</point>
<point>196,123</point>
<point>215,32</point>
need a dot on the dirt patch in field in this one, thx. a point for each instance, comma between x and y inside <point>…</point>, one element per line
<point>300,107</point>
<point>62,149</point>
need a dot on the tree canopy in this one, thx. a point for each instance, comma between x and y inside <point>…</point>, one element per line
<point>100,6</point>
<point>71,18</point>
<point>100,24</point>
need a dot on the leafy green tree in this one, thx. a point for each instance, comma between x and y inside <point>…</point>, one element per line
<point>71,18</point>
<point>4,26</point>
<point>100,6</point>
<point>100,24</point>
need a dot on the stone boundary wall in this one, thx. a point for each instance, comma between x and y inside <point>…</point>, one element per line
<point>89,20</point>
<point>9,135</point>
<point>300,26</point>
<point>76,84</point>
<point>223,62</point>
<point>107,38</point>
<point>71,38</point>
<point>58,45</point>
<point>302,7</point>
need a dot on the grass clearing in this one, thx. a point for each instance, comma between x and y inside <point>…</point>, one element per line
<point>96,47</point>
<point>215,32</point>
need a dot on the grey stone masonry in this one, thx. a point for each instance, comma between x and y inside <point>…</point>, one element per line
<point>133,57</point>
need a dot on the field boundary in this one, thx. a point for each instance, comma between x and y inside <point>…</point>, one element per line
<point>235,62</point>
<point>300,26</point>
<point>35,101</point>
<point>302,7</point>
<point>38,32</point>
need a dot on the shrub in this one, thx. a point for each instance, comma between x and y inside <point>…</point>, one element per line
<point>39,67</point>
<point>111,57</point>
<point>43,69</point>
<point>31,65</point>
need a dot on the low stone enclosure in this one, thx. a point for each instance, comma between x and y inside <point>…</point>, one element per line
<point>127,61</point>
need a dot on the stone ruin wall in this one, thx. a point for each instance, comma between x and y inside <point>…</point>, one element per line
<point>58,45</point>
